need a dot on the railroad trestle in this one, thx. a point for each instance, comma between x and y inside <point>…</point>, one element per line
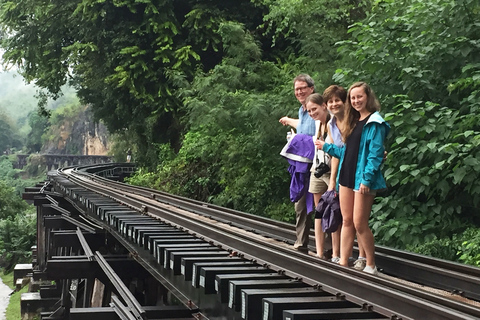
<point>105,251</point>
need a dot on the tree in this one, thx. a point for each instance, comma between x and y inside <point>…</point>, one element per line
<point>423,59</point>
<point>10,202</point>
<point>230,156</point>
<point>9,136</point>
<point>17,235</point>
<point>17,228</point>
<point>17,218</point>
<point>413,47</point>
<point>305,32</point>
<point>39,125</point>
<point>128,59</point>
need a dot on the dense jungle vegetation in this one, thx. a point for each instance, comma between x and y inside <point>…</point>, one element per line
<point>17,218</point>
<point>196,89</point>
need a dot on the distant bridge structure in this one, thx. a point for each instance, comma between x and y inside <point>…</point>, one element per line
<point>55,161</point>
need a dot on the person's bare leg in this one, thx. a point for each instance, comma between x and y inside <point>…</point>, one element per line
<point>346,196</point>
<point>319,238</point>
<point>336,242</point>
<point>319,234</point>
<point>361,252</point>
<point>361,214</point>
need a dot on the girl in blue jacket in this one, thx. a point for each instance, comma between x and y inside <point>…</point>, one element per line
<point>359,177</point>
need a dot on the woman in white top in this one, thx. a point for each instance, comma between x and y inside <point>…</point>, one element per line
<point>320,172</point>
<point>335,97</point>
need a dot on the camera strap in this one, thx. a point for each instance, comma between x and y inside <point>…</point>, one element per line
<point>322,133</point>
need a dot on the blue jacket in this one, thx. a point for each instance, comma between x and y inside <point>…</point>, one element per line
<point>370,154</point>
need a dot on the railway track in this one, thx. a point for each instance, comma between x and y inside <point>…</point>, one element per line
<point>245,267</point>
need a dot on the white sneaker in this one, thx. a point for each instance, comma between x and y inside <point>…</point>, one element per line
<point>371,270</point>
<point>335,259</point>
<point>360,264</point>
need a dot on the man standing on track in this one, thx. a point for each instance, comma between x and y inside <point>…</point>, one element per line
<point>303,87</point>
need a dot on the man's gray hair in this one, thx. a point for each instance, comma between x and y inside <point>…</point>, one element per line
<point>305,78</point>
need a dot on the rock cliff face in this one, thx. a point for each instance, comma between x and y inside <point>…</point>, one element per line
<point>77,134</point>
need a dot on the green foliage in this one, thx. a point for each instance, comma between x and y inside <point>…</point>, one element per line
<point>36,165</point>
<point>300,20</point>
<point>469,251</point>
<point>39,125</point>
<point>428,84</point>
<point>144,177</point>
<point>235,122</point>
<point>9,135</point>
<point>462,247</point>
<point>64,113</point>
<point>19,179</point>
<point>413,47</point>
<point>427,174</point>
<point>7,173</point>
<point>17,234</point>
<point>191,173</point>
<point>306,31</point>
<point>10,175</point>
<point>17,218</point>
<point>445,248</point>
<point>230,154</point>
<point>10,203</point>
<point>7,279</point>
<point>196,90</point>
<point>120,143</point>
<point>128,59</point>
<point>281,212</point>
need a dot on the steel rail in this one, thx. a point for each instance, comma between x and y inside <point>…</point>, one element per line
<point>135,308</point>
<point>84,244</point>
<point>78,223</point>
<point>456,278</point>
<point>415,303</point>
<point>121,310</point>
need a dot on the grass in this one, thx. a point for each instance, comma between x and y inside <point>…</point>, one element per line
<point>7,278</point>
<point>13,309</point>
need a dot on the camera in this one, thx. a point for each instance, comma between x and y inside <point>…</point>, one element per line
<point>321,169</point>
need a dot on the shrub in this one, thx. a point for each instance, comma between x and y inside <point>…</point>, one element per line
<point>463,247</point>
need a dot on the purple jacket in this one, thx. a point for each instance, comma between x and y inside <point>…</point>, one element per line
<point>329,209</point>
<point>299,152</point>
